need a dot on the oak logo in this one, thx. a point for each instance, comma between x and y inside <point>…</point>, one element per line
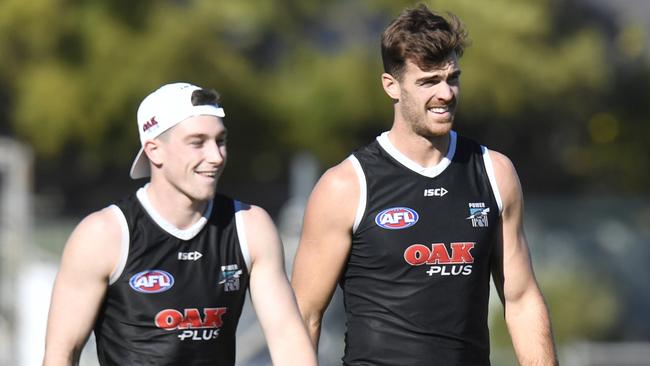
<point>443,262</point>
<point>418,254</point>
<point>149,124</point>
<point>192,325</point>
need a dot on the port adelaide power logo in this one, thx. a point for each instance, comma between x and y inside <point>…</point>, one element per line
<point>229,277</point>
<point>396,218</point>
<point>478,214</point>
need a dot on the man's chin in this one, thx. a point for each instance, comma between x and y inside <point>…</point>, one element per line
<point>437,129</point>
<point>207,194</point>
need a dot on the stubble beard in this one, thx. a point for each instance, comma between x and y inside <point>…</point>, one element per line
<point>420,123</point>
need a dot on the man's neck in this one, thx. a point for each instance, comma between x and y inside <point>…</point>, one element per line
<point>425,151</point>
<point>174,206</point>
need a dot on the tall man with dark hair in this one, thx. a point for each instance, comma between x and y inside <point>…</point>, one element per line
<point>414,224</point>
<point>161,276</point>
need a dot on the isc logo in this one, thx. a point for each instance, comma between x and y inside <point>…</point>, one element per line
<point>189,256</point>
<point>396,218</point>
<point>151,281</point>
<point>435,192</point>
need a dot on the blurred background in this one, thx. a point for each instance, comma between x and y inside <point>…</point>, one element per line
<point>560,86</point>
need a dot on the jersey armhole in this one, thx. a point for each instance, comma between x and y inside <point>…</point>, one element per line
<point>489,169</point>
<point>241,234</point>
<point>124,245</point>
<point>361,206</point>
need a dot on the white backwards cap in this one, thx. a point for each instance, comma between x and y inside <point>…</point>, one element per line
<point>163,109</point>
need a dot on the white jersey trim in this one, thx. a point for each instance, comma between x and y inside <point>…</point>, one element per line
<point>241,233</point>
<point>361,206</point>
<point>430,172</point>
<point>124,244</point>
<point>489,168</point>
<point>183,234</point>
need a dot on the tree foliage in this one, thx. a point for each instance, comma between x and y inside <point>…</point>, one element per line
<point>541,82</point>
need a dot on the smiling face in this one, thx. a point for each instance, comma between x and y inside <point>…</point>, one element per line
<point>426,101</point>
<point>192,156</point>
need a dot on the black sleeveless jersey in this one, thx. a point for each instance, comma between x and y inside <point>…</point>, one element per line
<point>179,295</point>
<point>416,284</point>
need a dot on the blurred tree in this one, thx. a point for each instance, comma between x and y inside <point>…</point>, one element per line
<point>75,72</point>
<point>583,305</point>
<point>541,82</point>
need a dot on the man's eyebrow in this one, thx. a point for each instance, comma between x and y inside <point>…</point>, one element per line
<point>437,77</point>
<point>429,78</point>
<point>199,136</point>
<point>204,136</point>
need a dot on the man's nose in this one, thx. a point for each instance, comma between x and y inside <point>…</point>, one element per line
<point>444,91</point>
<point>214,153</point>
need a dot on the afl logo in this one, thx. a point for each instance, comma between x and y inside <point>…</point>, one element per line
<point>397,218</point>
<point>151,281</point>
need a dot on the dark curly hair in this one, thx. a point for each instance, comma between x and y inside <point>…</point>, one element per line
<point>423,37</point>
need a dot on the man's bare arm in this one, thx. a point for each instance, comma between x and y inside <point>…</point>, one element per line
<point>525,310</point>
<point>273,299</point>
<point>325,243</point>
<point>89,257</point>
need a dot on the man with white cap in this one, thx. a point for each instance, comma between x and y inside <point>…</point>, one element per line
<point>161,275</point>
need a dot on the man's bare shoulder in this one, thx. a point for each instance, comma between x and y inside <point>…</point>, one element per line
<point>502,164</point>
<point>333,203</point>
<point>104,223</point>
<point>254,215</point>
<point>507,179</point>
<point>341,179</point>
<point>96,240</point>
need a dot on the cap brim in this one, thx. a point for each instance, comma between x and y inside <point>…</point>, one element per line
<point>140,167</point>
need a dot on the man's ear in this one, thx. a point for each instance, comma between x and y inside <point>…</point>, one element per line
<point>154,151</point>
<point>391,86</point>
